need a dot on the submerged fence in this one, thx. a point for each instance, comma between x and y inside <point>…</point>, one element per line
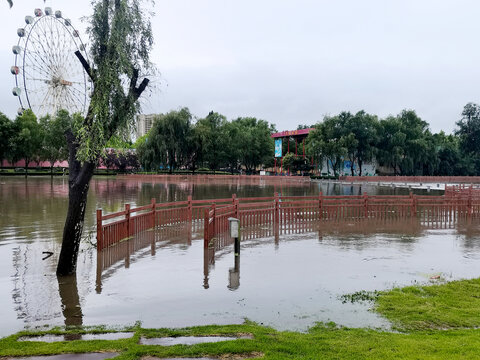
<point>286,211</point>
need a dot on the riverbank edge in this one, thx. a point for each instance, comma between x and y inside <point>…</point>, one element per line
<point>438,321</point>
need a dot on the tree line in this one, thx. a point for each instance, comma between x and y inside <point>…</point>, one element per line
<point>403,143</point>
<point>37,140</point>
<point>178,141</point>
<point>34,140</point>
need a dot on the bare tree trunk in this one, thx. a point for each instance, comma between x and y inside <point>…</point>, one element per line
<point>78,185</point>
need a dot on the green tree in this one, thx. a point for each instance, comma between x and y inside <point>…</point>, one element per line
<point>328,140</point>
<point>391,145</point>
<point>118,142</point>
<point>147,155</point>
<point>295,163</point>
<point>27,140</point>
<point>54,145</point>
<point>417,145</point>
<point>233,132</point>
<point>405,144</point>
<point>451,161</point>
<point>168,139</point>
<point>256,146</point>
<point>288,161</point>
<point>361,133</point>
<point>195,145</point>
<point>315,145</point>
<point>214,143</point>
<point>468,132</point>
<point>121,40</point>
<point>6,135</point>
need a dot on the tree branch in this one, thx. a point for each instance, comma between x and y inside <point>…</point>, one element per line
<point>86,65</point>
<point>139,90</point>
<point>133,81</point>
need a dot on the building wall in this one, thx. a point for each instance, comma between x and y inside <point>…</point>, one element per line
<point>144,123</point>
<point>368,169</point>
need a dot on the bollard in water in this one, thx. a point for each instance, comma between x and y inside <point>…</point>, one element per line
<point>234,225</point>
<point>237,247</point>
<point>234,274</point>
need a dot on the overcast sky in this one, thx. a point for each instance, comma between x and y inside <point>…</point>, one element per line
<point>292,62</point>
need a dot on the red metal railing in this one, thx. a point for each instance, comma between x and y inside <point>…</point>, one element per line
<point>287,211</point>
<point>415,179</point>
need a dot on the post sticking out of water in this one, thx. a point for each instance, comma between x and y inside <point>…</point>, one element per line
<point>320,205</point>
<point>99,230</point>
<point>234,233</point>
<point>190,209</point>
<point>365,205</point>
<point>153,203</point>
<point>277,208</point>
<point>127,219</point>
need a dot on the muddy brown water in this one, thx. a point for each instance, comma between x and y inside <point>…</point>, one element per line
<point>166,279</point>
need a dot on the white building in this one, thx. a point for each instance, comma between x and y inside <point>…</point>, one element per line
<point>144,124</point>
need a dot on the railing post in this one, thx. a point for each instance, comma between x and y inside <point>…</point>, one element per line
<point>154,203</point>
<point>190,208</point>
<point>365,204</point>
<point>127,219</point>
<point>320,205</point>
<point>277,209</point>
<point>214,222</point>
<point>205,228</point>
<point>99,230</point>
<point>469,205</point>
<point>414,205</point>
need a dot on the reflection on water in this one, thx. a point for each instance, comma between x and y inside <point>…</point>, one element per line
<point>121,255</point>
<point>288,277</point>
<point>71,309</point>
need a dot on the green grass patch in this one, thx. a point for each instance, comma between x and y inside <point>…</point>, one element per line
<point>324,341</point>
<point>439,322</point>
<point>451,305</point>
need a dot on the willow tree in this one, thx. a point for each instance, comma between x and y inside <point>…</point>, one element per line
<point>121,40</point>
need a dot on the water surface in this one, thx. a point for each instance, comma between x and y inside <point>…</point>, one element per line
<point>166,278</point>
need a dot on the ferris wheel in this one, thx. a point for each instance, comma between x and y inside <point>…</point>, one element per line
<point>48,75</point>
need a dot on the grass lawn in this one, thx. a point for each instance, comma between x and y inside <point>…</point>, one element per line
<point>433,322</point>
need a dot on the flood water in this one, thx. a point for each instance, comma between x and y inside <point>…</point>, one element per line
<point>167,279</point>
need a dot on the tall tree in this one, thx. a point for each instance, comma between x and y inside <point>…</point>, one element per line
<point>168,139</point>
<point>255,146</point>
<point>233,133</point>
<point>468,132</point>
<point>405,144</point>
<point>195,145</point>
<point>362,131</point>
<point>391,146</point>
<point>214,141</point>
<point>6,134</point>
<point>121,40</point>
<point>314,146</point>
<point>26,143</point>
<point>328,140</point>
<point>451,161</point>
<point>54,145</point>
